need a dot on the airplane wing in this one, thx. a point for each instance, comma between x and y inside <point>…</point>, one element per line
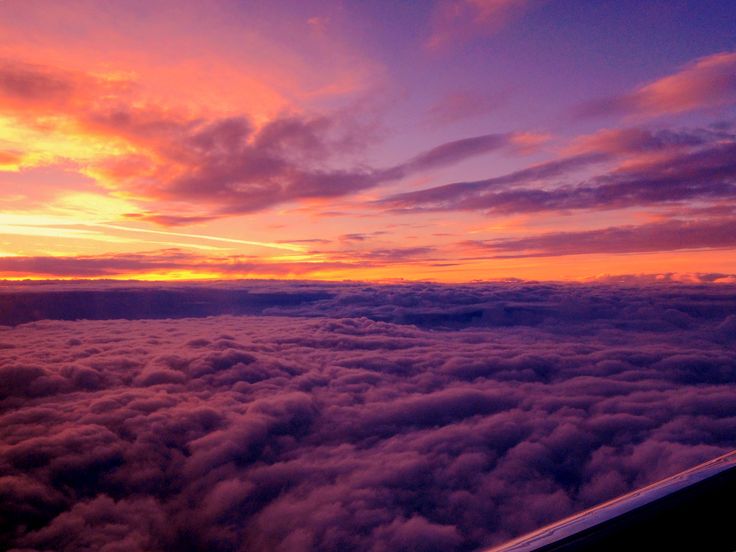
<point>692,510</point>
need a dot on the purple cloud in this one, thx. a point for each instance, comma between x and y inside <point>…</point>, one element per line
<point>668,235</point>
<point>689,174</point>
<point>453,152</point>
<point>26,82</point>
<point>219,166</point>
<point>89,266</point>
<point>460,105</point>
<point>360,419</point>
<point>455,195</point>
<point>279,166</point>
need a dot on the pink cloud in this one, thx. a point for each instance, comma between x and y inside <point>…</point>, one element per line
<point>456,20</point>
<point>709,82</point>
<point>464,104</point>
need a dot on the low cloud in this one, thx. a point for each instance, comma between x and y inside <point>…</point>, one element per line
<point>357,419</point>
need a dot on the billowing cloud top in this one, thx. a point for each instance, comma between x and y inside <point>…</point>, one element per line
<point>353,417</point>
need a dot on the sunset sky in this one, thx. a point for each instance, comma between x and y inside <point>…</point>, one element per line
<point>433,140</point>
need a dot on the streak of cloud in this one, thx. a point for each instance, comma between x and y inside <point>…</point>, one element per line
<point>706,83</point>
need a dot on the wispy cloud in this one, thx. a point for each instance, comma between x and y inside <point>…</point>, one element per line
<point>455,21</point>
<point>684,167</point>
<point>167,263</point>
<point>667,235</point>
<point>708,82</point>
<point>464,104</point>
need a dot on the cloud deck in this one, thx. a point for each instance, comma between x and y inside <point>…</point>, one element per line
<point>362,417</point>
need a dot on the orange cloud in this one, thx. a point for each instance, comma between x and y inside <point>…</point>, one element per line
<point>174,264</point>
<point>10,160</point>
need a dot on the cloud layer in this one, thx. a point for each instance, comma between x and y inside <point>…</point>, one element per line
<point>417,417</point>
<point>650,169</point>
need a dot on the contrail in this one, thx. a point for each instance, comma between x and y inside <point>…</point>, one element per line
<point>286,246</point>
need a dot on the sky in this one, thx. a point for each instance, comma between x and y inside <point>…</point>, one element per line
<point>442,140</point>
